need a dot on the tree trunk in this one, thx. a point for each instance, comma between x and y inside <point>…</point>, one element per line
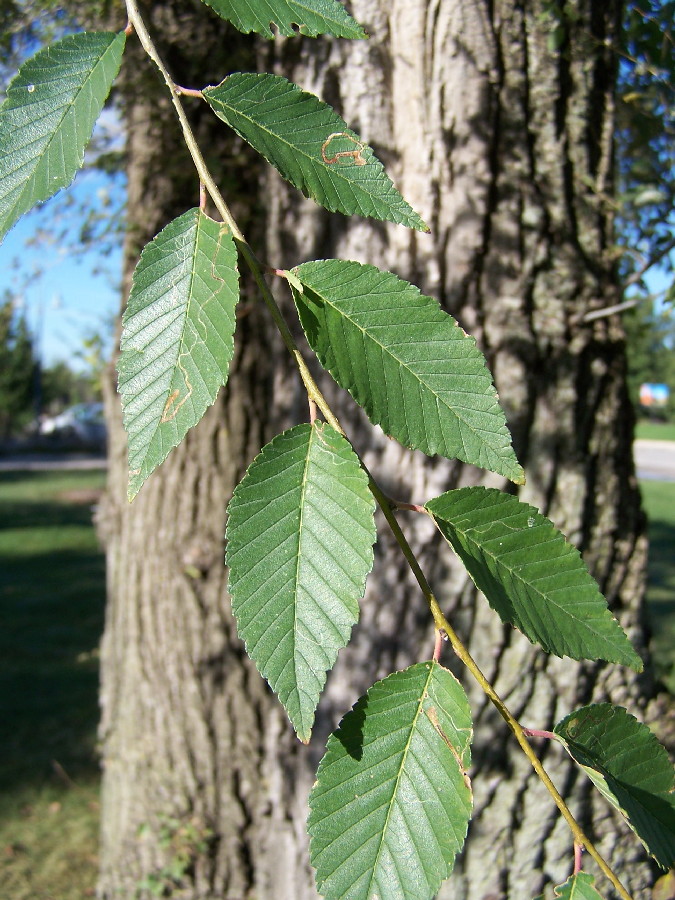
<point>505,148</point>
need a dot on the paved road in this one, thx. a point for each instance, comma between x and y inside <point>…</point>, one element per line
<point>43,461</point>
<point>655,460</point>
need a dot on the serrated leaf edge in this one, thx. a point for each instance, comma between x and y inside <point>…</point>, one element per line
<point>417,223</point>
<point>637,666</point>
<point>304,734</point>
<point>115,36</point>
<point>431,666</point>
<point>199,221</point>
<point>518,476</point>
<point>303,29</point>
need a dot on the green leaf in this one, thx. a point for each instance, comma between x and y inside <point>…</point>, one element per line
<point>630,768</point>
<point>406,362</point>
<point>392,801</point>
<point>177,341</point>
<point>530,575</point>
<point>300,539</point>
<point>578,887</point>
<point>313,17</point>
<point>310,145</point>
<point>48,116</point>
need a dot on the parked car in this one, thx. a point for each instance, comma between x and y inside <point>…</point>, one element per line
<point>83,422</point>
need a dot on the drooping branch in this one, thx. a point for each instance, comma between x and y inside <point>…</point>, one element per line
<point>316,399</point>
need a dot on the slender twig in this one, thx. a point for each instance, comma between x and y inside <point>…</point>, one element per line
<point>315,396</point>
<point>209,183</point>
<point>634,278</point>
<point>578,850</point>
<point>607,311</point>
<point>536,733</point>
<point>136,20</point>
<point>438,645</point>
<point>188,92</point>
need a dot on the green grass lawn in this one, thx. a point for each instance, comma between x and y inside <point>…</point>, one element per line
<point>659,502</point>
<point>656,431</point>
<point>51,602</point>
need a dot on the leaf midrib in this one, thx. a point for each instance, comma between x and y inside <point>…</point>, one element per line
<point>399,775</point>
<point>577,622</point>
<point>296,652</point>
<point>296,148</point>
<point>367,335</point>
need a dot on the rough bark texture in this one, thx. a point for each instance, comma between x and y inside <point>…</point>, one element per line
<point>505,150</point>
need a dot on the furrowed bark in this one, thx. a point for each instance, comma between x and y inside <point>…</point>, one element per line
<point>505,149</point>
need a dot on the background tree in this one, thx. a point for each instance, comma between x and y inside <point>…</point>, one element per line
<point>17,369</point>
<point>504,145</point>
<point>646,190</point>
<point>651,350</point>
<point>62,386</point>
<point>645,134</point>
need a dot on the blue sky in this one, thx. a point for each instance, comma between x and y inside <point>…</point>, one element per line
<point>66,295</point>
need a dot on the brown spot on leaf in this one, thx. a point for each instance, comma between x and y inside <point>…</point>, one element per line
<point>354,154</point>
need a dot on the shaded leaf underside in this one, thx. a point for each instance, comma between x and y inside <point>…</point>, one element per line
<point>300,539</point>
<point>391,804</point>
<point>630,768</point>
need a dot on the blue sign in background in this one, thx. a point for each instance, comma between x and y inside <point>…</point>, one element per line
<point>654,394</point>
